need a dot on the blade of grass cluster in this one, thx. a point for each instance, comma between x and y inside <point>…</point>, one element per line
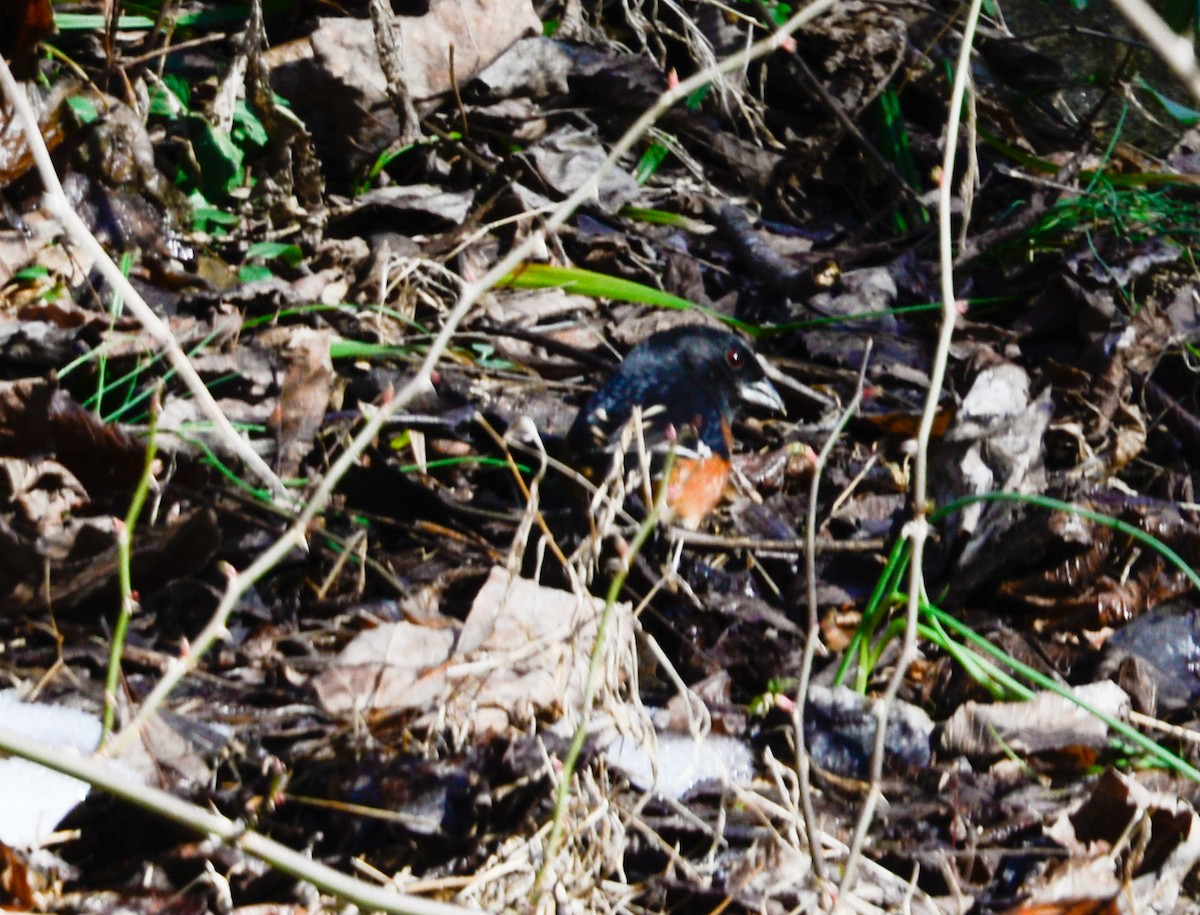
<point>129,378</point>
<point>988,674</point>
<point>127,381</point>
<point>257,492</point>
<point>937,621</point>
<point>894,144</point>
<point>999,684</point>
<point>1040,680</point>
<point>1046,167</point>
<point>885,588</point>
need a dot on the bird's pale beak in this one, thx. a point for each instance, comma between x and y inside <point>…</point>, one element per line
<point>763,394</point>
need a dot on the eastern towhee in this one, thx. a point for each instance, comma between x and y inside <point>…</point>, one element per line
<point>689,382</point>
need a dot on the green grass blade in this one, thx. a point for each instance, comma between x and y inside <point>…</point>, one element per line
<point>601,286</point>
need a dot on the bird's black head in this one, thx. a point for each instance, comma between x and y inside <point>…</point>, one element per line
<point>720,363</point>
<point>679,376</point>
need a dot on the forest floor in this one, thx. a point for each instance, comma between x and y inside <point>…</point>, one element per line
<point>407,637</point>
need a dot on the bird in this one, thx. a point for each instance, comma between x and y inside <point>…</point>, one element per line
<point>689,383</point>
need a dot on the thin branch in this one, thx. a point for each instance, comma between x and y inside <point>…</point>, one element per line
<point>388,45</point>
<point>811,829</point>
<point>917,530</point>
<point>230,832</point>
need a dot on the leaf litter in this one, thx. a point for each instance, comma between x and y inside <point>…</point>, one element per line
<point>400,697</point>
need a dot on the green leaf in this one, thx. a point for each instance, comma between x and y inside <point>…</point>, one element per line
<point>485,356</point>
<point>248,129</point>
<point>179,86</point>
<point>692,102</point>
<point>163,104</point>
<point>84,109</point>
<point>31,273</point>
<point>220,161</point>
<point>651,159</point>
<point>211,219</point>
<point>250,273</point>
<point>169,99</point>
<point>272,250</point>
<point>1186,116</point>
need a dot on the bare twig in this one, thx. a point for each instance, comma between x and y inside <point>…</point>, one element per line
<point>388,45</point>
<point>814,624</point>
<point>703,540</point>
<point>917,530</point>
<point>230,832</point>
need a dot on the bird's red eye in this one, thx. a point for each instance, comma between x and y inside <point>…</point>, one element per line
<point>735,357</point>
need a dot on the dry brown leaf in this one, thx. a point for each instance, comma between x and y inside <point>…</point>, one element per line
<point>522,652</point>
<point>479,31</point>
<point>1046,722</point>
<point>304,393</point>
